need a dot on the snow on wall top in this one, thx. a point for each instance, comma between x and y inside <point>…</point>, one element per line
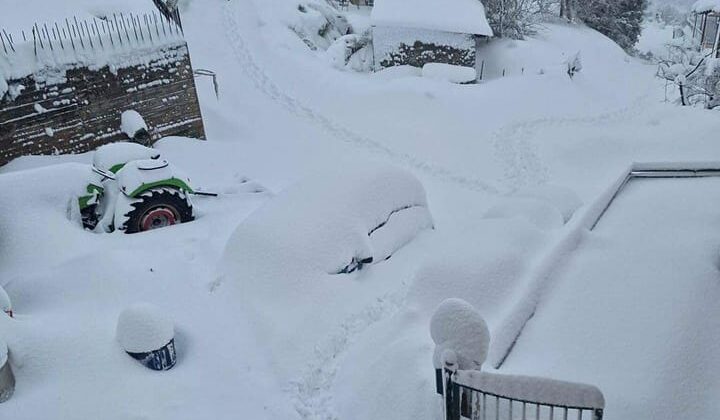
<point>25,13</point>
<point>703,6</point>
<point>461,16</point>
<point>123,40</point>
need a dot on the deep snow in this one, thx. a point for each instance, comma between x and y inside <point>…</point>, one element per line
<point>284,114</point>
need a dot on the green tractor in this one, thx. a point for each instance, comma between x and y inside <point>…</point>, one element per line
<point>133,189</point>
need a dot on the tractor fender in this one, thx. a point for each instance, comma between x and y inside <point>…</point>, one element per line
<point>139,176</point>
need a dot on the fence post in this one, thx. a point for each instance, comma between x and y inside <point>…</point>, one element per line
<point>451,389</point>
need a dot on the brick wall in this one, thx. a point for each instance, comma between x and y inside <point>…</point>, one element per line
<point>80,110</point>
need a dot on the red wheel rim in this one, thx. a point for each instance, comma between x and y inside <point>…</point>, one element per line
<point>159,217</point>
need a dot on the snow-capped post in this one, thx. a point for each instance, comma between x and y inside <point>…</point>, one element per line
<point>7,379</point>
<point>147,335</point>
<point>5,304</point>
<point>462,340</point>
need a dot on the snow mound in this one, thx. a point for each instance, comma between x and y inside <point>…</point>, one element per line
<point>456,326</point>
<point>458,16</point>
<point>449,73</point>
<point>538,212</point>
<point>529,388</point>
<point>483,272</point>
<point>562,198</point>
<point>143,327</point>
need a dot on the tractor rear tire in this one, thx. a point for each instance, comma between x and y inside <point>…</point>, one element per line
<point>158,208</point>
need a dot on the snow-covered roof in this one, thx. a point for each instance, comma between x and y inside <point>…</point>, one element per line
<point>460,16</point>
<point>704,6</point>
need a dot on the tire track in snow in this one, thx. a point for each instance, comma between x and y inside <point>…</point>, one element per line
<point>266,85</point>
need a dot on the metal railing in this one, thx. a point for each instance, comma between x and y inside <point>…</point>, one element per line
<point>463,400</point>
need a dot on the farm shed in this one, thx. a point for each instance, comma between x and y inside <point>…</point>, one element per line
<point>64,85</point>
<point>418,32</point>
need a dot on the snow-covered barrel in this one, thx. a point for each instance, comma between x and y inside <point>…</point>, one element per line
<point>5,304</point>
<point>7,379</point>
<point>148,335</point>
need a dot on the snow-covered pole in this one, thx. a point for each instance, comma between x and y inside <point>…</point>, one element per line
<point>451,390</point>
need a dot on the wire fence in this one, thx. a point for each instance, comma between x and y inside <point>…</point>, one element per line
<point>121,30</point>
<point>465,400</point>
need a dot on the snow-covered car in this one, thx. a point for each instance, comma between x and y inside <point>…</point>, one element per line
<point>132,189</point>
<point>336,222</point>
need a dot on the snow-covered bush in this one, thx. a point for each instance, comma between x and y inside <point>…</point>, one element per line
<point>696,75</point>
<point>352,52</point>
<point>619,20</point>
<point>574,65</point>
<point>457,327</point>
<point>517,18</point>
<point>319,25</point>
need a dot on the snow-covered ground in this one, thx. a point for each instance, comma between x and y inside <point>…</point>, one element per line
<point>357,346</point>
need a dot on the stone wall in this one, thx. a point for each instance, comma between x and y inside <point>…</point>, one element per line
<point>79,108</point>
<point>417,47</point>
